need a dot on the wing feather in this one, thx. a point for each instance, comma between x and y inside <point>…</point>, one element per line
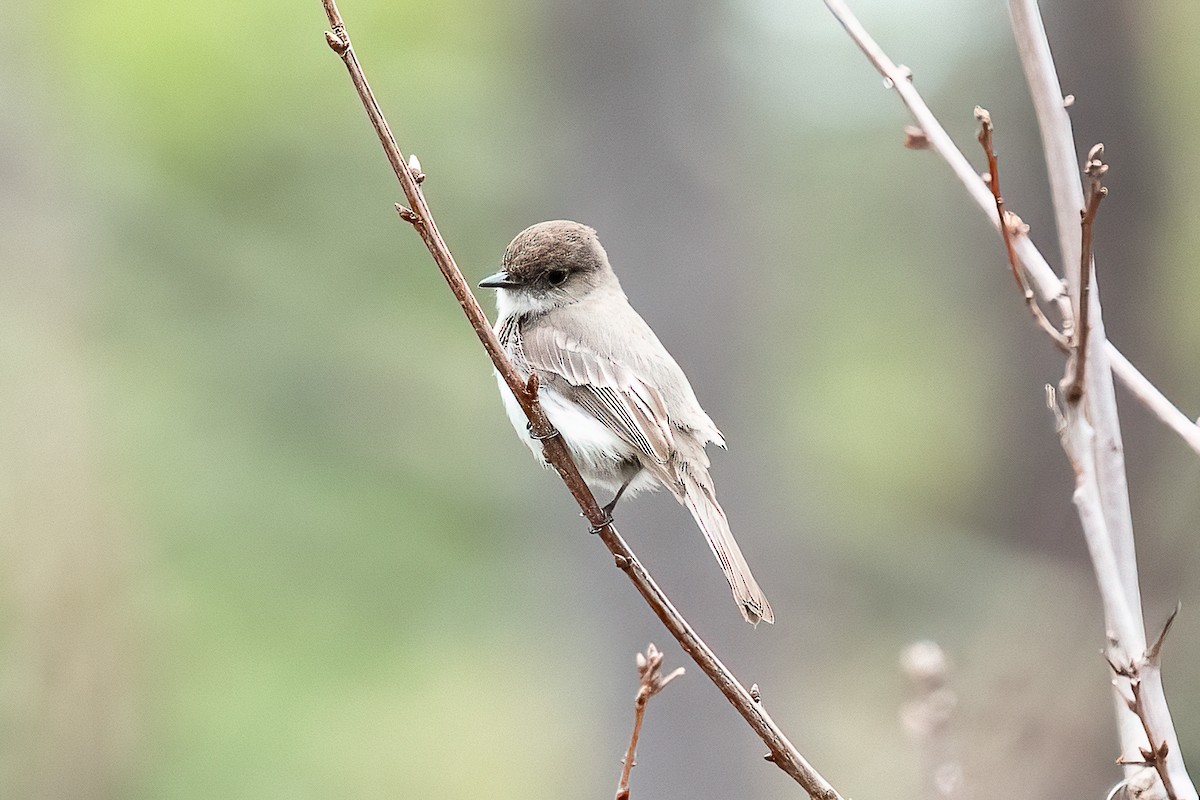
<point>611,393</point>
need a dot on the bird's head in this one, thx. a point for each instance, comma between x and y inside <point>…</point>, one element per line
<point>547,266</point>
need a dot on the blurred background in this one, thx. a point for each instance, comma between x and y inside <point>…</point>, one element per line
<point>265,531</point>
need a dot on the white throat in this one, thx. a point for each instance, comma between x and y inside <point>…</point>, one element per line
<point>515,303</point>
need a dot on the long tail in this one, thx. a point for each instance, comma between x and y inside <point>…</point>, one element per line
<point>700,499</point>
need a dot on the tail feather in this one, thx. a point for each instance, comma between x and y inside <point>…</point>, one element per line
<point>698,496</point>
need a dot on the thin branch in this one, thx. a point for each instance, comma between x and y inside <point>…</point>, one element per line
<point>1095,170</point>
<point>1066,191</point>
<point>1149,396</point>
<point>984,136</point>
<point>652,682</point>
<point>1096,454</point>
<point>1010,224</point>
<point>1130,660</point>
<point>1048,285</point>
<point>1062,165</point>
<point>1045,282</point>
<point>1099,406</point>
<point>1077,440</point>
<point>784,753</point>
<point>1157,753</point>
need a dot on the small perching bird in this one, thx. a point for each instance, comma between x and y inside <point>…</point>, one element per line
<point>623,406</point>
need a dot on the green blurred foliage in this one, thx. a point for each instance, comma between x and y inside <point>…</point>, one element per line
<point>266,532</point>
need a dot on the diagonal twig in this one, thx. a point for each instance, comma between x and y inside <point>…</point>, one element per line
<point>1156,754</point>
<point>1146,393</point>
<point>1010,224</point>
<point>1096,454</point>
<point>784,753</point>
<point>1044,281</point>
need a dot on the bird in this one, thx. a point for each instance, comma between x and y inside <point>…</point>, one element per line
<point>623,406</point>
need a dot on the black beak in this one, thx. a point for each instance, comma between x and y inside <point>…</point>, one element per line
<point>500,280</point>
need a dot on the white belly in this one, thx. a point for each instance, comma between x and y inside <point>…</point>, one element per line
<point>599,453</point>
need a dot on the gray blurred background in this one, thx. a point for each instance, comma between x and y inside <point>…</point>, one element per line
<point>265,531</point>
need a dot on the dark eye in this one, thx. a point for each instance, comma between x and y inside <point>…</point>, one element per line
<point>556,277</point>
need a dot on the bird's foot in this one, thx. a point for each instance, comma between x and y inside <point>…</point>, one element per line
<point>550,433</point>
<point>608,520</point>
<point>608,509</point>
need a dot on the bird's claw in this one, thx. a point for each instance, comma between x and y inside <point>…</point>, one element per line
<point>608,520</point>
<point>550,434</point>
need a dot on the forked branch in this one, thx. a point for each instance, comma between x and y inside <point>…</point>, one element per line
<point>1135,672</point>
<point>1042,277</point>
<point>1087,420</point>
<point>652,682</point>
<point>784,753</point>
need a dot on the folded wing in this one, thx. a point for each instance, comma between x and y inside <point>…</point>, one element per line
<point>610,392</point>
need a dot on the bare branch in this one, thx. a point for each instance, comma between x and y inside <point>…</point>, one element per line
<point>1095,170</point>
<point>984,117</point>
<point>653,682</point>
<point>1139,684</point>
<point>1149,396</point>
<point>1044,281</point>
<point>1010,225</point>
<point>1048,285</point>
<point>1077,439</point>
<point>1155,755</point>
<point>784,753</point>
<point>1143,695</point>
<point>1107,458</point>
<point>1062,166</point>
<point>1096,453</point>
<point>1050,106</point>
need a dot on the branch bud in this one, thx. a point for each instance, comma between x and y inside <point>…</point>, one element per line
<point>915,138</point>
<point>414,166</point>
<point>336,43</point>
